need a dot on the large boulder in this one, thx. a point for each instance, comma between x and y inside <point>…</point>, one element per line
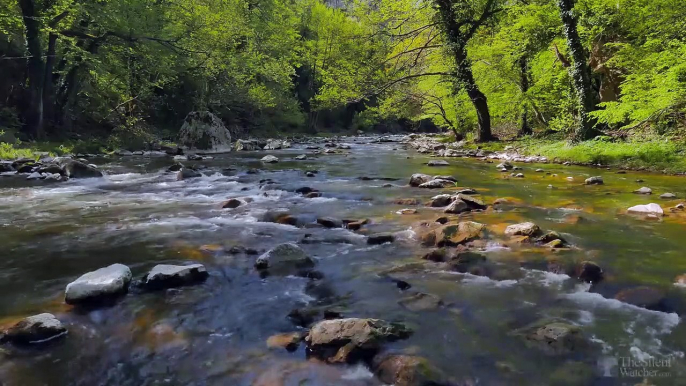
<point>456,207</point>
<point>408,370</point>
<point>204,131</point>
<point>102,284</point>
<point>35,329</point>
<point>436,184</point>
<point>168,276</point>
<point>78,169</point>
<point>285,257</point>
<point>352,339</point>
<point>461,233</point>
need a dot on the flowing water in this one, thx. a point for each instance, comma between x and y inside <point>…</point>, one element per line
<point>215,333</point>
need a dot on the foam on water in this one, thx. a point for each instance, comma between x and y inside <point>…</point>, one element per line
<point>357,372</point>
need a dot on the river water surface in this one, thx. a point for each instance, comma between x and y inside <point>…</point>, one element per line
<point>215,333</point>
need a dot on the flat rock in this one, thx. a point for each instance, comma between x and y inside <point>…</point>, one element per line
<point>553,337</point>
<point>651,208</point>
<point>523,229</point>
<point>169,276</point>
<point>301,157</point>
<point>77,169</point>
<point>456,207</point>
<point>381,238</point>
<point>101,284</point>
<point>472,202</point>
<point>269,159</point>
<point>438,163</point>
<point>284,256</point>
<point>667,196</point>
<point>436,184</point>
<point>421,302</point>
<point>441,200</point>
<point>35,329</point>
<point>352,339</point>
<point>330,222</point>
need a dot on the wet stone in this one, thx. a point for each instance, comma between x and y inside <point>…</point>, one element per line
<point>597,180</point>
<point>170,276</point>
<point>420,302</point>
<point>438,163</point>
<point>102,284</point>
<point>643,296</point>
<point>553,337</point>
<point>286,257</point>
<point>35,329</point>
<point>643,190</point>
<point>287,341</point>
<point>329,222</point>
<point>269,159</point>
<point>382,238</point>
<point>187,173</point>
<point>589,272</point>
<point>523,229</point>
<point>232,203</point>
<point>408,370</point>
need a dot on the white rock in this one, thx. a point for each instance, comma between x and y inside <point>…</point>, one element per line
<point>643,190</point>
<point>104,282</point>
<point>651,208</point>
<point>269,159</point>
<point>35,329</point>
<point>438,163</point>
<point>34,176</point>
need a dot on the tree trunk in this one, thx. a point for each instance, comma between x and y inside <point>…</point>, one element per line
<point>36,73</point>
<point>465,78</point>
<point>48,82</point>
<point>525,128</point>
<point>581,72</point>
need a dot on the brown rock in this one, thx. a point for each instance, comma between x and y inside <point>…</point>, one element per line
<point>421,302</point>
<point>288,341</point>
<point>456,207</point>
<point>437,255</point>
<point>523,229</point>
<point>231,203</point>
<point>460,233</point>
<point>408,370</point>
<point>643,296</point>
<point>407,201</point>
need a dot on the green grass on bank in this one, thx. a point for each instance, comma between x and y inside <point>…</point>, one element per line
<point>658,154</point>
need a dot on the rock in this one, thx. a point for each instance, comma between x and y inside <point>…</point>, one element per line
<point>468,262</point>
<point>284,257</point>
<point>574,373</point>
<point>6,166</point>
<point>463,232</point>
<point>305,190</point>
<point>77,169</point>
<point>456,207</point>
<point>472,202</point>
<point>504,165</point>
<point>438,255</point>
<point>408,370</point>
<point>408,211</point>
<point>539,170</point>
<point>35,176</point>
<point>288,341</point>
<point>441,200</point>
<point>643,190</point>
<point>204,131</point>
<point>667,196</point>
<point>168,276</point>
<point>232,203</point>
<point>597,180</point>
<point>643,296</point>
<point>35,329</point>
<point>356,225</point>
<point>523,229</point>
<point>329,151</point>
<point>407,201</point>
<point>438,163</point>
<point>418,179</point>
<point>421,302</point>
<point>123,153</point>
<point>442,220</point>
<point>330,222</point>
<point>273,144</point>
<point>651,208</point>
<point>175,168</point>
<point>310,174</point>
<point>246,145</point>
<point>269,159</point>
<point>51,169</point>
<point>102,284</point>
<point>519,175</point>
<point>589,272</point>
<point>313,195</point>
<point>194,157</point>
<point>553,337</point>
<point>551,237</point>
<point>187,173</point>
<point>352,339</point>
<point>301,157</point>
<point>436,184</point>
<point>447,178</point>
<point>554,244</point>
<point>381,238</point>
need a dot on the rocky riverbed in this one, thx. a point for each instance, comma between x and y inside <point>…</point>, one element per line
<point>338,261</point>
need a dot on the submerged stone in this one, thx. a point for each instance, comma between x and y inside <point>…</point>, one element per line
<point>168,276</point>
<point>35,329</point>
<point>284,256</point>
<point>408,370</point>
<point>421,302</point>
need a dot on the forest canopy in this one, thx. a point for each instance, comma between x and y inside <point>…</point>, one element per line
<point>131,70</point>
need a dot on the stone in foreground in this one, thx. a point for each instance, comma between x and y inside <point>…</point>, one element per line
<point>35,329</point>
<point>418,179</point>
<point>350,340</point>
<point>169,276</point>
<point>553,337</point>
<point>77,169</point>
<point>284,256</point>
<point>102,284</point>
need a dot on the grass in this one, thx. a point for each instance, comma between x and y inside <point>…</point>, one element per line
<point>9,151</point>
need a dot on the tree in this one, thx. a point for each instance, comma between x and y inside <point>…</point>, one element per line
<point>581,72</point>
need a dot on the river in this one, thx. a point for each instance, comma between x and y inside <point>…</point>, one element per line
<point>215,333</point>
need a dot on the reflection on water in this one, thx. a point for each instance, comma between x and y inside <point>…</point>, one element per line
<point>215,333</point>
